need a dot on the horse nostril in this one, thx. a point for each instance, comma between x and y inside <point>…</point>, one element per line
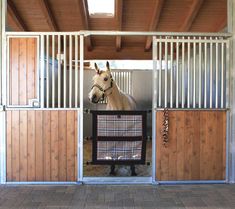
<point>93,98</point>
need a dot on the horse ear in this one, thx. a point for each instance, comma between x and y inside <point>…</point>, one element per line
<point>107,66</point>
<point>97,69</point>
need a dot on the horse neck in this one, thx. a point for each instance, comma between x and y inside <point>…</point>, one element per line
<point>114,99</point>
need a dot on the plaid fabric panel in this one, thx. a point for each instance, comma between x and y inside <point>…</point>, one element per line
<point>125,125</point>
<point>119,150</point>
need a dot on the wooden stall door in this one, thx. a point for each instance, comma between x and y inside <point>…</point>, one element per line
<point>196,149</point>
<point>22,73</point>
<point>41,145</point>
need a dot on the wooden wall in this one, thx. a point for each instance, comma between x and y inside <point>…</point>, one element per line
<point>41,145</point>
<point>197,146</point>
<point>22,70</point>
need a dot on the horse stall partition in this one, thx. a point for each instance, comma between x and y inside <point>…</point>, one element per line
<point>191,80</point>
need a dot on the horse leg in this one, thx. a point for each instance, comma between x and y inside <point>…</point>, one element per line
<point>133,173</point>
<point>112,170</point>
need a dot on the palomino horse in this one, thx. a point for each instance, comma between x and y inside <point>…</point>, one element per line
<point>105,87</point>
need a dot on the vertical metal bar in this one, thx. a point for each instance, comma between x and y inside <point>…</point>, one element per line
<point>205,74</point>
<point>200,75</point>
<point>211,77</point>
<point>183,86</point>
<point>194,72</point>
<point>222,75</point>
<point>70,71</point>
<point>171,77</point>
<point>47,72</point>
<point>177,73</point>
<point>80,140</point>
<point>53,71</point>
<point>76,71</point>
<point>160,74</point>
<point>42,61</point>
<point>65,69</point>
<point>189,84</point>
<point>216,75</point>
<point>166,69</point>
<point>59,72</point>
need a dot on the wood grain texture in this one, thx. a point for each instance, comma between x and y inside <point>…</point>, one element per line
<point>22,70</point>
<point>41,145</point>
<point>197,146</point>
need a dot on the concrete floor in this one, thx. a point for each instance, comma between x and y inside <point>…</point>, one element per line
<point>118,197</point>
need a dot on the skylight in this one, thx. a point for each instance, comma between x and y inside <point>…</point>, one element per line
<point>101,8</point>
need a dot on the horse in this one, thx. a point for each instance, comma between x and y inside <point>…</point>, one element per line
<point>104,86</point>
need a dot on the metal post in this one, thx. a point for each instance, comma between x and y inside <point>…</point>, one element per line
<point>80,131</point>
<point>182,83</point>
<point>194,73</point>
<point>200,76</point>
<point>189,84</point>
<point>42,61</point>
<point>160,75</point>
<point>177,75</point>
<point>53,71</point>
<point>59,72</point>
<point>65,69</point>
<point>171,77</point>
<point>166,69</point>
<point>47,73</point>
<point>205,75</point>
<point>70,70</point>
<point>76,71</point>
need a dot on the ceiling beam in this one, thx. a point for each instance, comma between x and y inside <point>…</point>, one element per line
<point>192,14</point>
<point>44,4</point>
<point>13,12</point>
<point>85,22</point>
<point>118,13</point>
<point>154,22</point>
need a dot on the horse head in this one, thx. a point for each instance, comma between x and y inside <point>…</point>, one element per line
<point>102,84</point>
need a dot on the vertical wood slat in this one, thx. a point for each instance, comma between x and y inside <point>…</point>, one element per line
<point>22,70</point>
<point>41,145</point>
<point>196,148</point>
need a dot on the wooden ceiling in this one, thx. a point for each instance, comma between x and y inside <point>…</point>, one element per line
<point>130,15</point>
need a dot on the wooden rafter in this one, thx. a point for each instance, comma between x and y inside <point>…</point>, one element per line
<point>154,21</point>
<point>85,22</point>
<point>44,4</point>
<point>118,13</point>
<point>192,14</point>
<point>12,11</point>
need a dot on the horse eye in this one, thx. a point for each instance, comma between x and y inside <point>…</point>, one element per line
<point>105,79</point>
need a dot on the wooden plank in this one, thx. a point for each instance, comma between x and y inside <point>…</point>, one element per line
<point>188,144</point>
<point>31,146</point>
<point>39,140</point>
<point>47,144</point>
<point>195,174</point>
<point>15,146</point>
<point>180,120</point>
<point>172,146</point>
<point>9,146</point>
<point>203,145</point>
<point>159,115</point>
<point>62,146</point>
<point>14,71</point>
<point>23,146</point>
<point>54,146</point>
<point>224,123</point>
<point>70,146</point>
<point>31,68</point>
<point>23,71</point>
<point>75,144</point>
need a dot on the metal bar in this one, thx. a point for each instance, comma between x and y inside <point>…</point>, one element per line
<point>197,41</point>
<point>194,74</point>
<point>42,61</point>
<point>47,73</point>
<point>59,72</point>
<point>193,182</point>
<point>53,71</point>
<point>70,71</point>
<point>160,76</point>
<point>166,69</point>
<point>211,76</point>
<point>3,159</point>
<point>117,180</point>
<point>122,33</point>
<point>182,90</point>
<point>216,75</point>
<point>43,183</point>
<point>171,77</point>
<point>205,75</point>
<point>65,69</point>
<point>80,140</point>
<point>177,74</point>
<point>200,76</point>
<point>222,76</point>
<point>189,84</point>
<point>76,71</point>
